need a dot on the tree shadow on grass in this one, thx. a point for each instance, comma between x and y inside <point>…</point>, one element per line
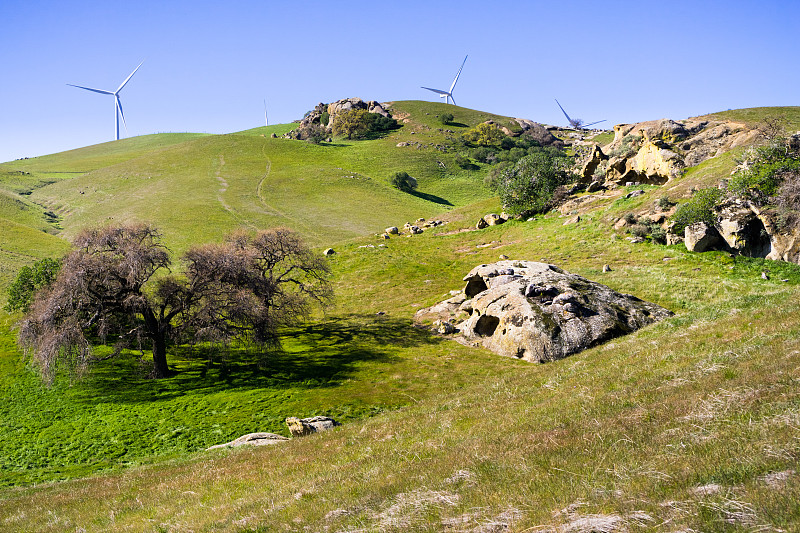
<point>322,354</point>
<point>430,197</point>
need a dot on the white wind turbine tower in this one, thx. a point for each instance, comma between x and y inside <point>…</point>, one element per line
<point>448,95</point>
<point>117,103</point>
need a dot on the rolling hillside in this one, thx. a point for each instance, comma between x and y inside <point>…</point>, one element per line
<point>691,424</point>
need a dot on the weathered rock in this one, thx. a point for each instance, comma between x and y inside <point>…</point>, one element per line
<point>393,230</point>
<point>595,186</point>
<point>300,427</point>
<point>592,163</point>
<point>663,148</point>
<point>538,312</point>
<point>481,224</point>
<point>416,230</point>
<point>493,219</point>
<point>700,237</point>
<point>539,133</point>
<point>252,439</point>
<point>329,251</point>
<point>743,231</point>
<point>674,239</point>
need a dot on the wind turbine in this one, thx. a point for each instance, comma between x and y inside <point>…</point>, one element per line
<point>576,122</point>
<point>117,102</point>
<point>266,120</point>
<point>448,95</point>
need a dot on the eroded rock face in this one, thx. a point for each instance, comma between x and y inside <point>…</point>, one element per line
<point>538,312</point>
<point>744,229</point>
<point>657,151</point>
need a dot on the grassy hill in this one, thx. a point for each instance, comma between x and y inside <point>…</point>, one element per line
<point>691,423</point>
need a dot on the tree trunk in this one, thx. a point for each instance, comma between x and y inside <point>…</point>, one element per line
<point>160,355</point>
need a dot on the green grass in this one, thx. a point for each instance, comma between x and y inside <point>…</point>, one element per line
<point>436,433</point>
<point>754,115</point>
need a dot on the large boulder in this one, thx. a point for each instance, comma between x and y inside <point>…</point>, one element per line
<point>538,312</point>
<point>700,237</point>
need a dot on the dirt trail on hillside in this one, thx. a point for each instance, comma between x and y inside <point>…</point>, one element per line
<point>274,210</point>
<point>224,187</point>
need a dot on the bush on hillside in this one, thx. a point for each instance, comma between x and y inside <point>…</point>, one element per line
<point>446,118</point>
<point>484,135</point>
<point>699,208</point>
<point>404,182</point>
<point>315,133</point>
<point>531,186</point>
<point>359,123</point>
<point>29,281</point>
<point>763,170</point>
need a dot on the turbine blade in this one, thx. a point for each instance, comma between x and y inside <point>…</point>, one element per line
<point>453,99</point>
<point>90,89</point>
<point>593,123</point>
<point>457,75</point>
<point>438,91</point>
<point>119,106</point>
<point>565,113</point>
<point>128,78</point>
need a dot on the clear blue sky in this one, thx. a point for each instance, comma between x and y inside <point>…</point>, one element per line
<point>209,65</point>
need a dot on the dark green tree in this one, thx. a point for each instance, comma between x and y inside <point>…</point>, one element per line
<point>530,186</point>
<point>404,182</point>
<point>30,280</point>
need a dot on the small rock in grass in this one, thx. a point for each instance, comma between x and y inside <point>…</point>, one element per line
<point>300,427</point>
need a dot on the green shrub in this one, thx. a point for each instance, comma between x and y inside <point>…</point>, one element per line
<point>530,186</point>
<point>664,203</point>
<point>484,135</point>
<point>699,208</point>
<point>765,169</point>
<point>404,182</point>
<point>31,279</point>
<point>324,118</point>
<point>446,118</point>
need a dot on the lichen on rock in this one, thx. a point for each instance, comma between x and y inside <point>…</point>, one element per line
<point>538,312</point>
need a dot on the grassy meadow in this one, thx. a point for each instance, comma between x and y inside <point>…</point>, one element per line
<point>690,424</point>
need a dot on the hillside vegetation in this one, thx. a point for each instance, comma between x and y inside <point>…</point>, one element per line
<point>688,424</point>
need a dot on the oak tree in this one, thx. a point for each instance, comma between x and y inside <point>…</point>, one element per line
<point>116,288</point>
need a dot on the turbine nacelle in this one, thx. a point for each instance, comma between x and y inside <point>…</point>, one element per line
<point>448,95</point>
<point>577,123</point>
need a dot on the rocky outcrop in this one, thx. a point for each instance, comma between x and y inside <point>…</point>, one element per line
<point>658,150</point>
<point>539,133</point>
<point>321,112</point>
<point>744,229</point>
<point>538,312</point>
<point>252,439</point>
<point>299,427</point>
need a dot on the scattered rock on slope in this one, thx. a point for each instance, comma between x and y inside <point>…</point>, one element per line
<point>252,439</point>
<point>538,312</point>
<point>300,427</point>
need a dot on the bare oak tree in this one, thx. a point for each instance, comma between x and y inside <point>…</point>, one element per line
<point>116,287</point>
